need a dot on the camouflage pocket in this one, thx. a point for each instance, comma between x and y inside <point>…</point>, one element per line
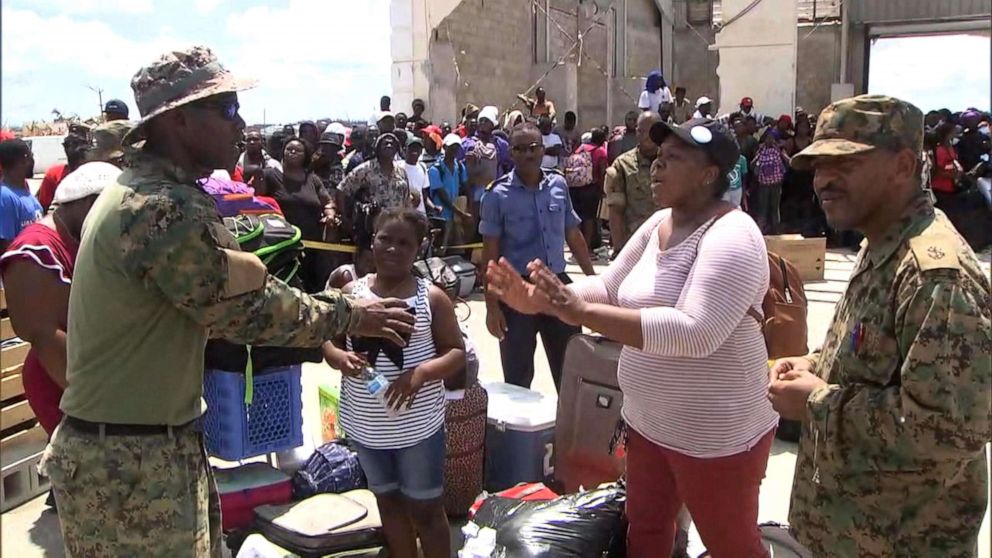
<point>56,465</point>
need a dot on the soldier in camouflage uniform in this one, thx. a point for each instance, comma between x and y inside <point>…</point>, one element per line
<point>896,404</point>
<point>157,273</point>
<point>627,185</point>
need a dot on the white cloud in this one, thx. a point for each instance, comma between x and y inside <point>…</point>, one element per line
<point>312,57</point>
<point>93,6</point>
<point>31,40</point>
<point>205,7</point>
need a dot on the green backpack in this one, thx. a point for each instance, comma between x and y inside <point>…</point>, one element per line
<point>274,240</point>
<point>279,245</point>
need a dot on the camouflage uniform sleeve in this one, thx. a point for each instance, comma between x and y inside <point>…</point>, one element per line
<point>938,408</point>
<point>613,185</point>
<point>183,249</point>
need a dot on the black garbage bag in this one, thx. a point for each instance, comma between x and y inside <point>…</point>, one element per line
<point>584,525</point>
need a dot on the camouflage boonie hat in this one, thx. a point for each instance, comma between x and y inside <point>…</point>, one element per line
<point>863,123</point>
<point>107,140</point>
<point>177,78</point>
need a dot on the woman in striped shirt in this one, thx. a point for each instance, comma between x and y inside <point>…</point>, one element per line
<point>683,296</point>
<point>402,449</point>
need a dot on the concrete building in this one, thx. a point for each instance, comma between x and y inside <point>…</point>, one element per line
<point>590,56</point>
<point>833,42</point>
<point>783,53</point>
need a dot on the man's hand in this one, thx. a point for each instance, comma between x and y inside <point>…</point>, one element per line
<point>495,321</point>
<point>790,393</point>
<point>387,318</point>
<point>404,389</point>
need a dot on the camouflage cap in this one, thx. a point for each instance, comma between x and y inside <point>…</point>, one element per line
<point>861,124</point>
<point>177,78</point>
<point>107,140</point>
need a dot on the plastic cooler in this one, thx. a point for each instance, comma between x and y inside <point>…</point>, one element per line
<point>243,488</point>
<point>520,436</point>
<point>272,422</point>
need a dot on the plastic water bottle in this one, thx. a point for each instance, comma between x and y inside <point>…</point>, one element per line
<point>377,385</point>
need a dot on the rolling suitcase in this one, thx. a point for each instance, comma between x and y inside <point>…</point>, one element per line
<point>465,422</point>
<point>323,524</point>
<point>588,414</point>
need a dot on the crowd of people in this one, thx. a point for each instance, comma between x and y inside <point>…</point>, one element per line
<point>894,405</point>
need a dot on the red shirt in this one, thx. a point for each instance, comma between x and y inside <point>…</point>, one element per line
<point>943,169</point>
<point>41,245</point>
<point>53,177</point>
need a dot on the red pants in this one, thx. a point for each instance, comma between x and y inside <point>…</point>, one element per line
<point>721,495</point>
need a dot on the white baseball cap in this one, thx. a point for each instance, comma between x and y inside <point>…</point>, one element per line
<point>452,139</point>
<point>702,101</point>
<point>490,113</point>
<point>88,180</point>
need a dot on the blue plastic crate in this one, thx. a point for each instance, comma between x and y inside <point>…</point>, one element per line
<point>272,423</point>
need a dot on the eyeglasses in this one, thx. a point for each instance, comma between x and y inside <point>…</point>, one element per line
<point>228,109</point>
<point>524,148</point>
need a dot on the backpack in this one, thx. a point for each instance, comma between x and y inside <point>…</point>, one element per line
<point>332,469</point>
<point>578,169</point>
<point>280,247</point>
<point>783,311</point>
<point>482,162</point>
<point>274,240</point>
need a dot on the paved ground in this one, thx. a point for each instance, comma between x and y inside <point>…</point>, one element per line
<point>31,531</point>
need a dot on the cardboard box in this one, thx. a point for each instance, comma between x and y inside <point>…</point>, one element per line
<point>807,254</point>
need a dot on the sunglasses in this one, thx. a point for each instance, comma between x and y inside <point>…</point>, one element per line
<point>228,109</point>
<point>531,147</point>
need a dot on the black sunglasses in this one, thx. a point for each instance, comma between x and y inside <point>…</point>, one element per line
<point>528,147</point>
<point>228,109</point>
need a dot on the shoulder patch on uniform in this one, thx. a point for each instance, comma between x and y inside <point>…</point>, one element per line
<point>934,252</point>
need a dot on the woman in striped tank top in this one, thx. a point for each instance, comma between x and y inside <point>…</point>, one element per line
<point>402,450</point>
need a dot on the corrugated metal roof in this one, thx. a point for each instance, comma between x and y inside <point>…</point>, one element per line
<point>879,11</point>
<point>861,11</point>
<point>808,10</point>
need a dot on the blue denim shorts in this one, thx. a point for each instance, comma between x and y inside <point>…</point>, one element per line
<point>417,472</point>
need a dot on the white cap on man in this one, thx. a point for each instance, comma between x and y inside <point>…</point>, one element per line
<point>452,139</point>
<point>704,100</point>
<point>490,113</point>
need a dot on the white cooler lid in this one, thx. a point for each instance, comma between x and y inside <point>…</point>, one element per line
<point>519,408</point>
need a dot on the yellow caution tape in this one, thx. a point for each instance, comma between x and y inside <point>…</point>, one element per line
<point>352,249</point>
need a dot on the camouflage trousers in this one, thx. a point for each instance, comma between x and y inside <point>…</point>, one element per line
<point>150,495</point>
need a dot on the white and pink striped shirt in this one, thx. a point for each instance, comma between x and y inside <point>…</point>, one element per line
<point>699,385</point>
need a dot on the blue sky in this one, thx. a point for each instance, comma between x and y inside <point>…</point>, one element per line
<point>934,72</point>
<point>313,58</point>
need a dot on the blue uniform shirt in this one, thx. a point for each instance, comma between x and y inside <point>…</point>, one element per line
<point>530,223</point>
<point>18,209</point>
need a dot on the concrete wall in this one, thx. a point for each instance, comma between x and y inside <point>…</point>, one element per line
<point>486,51</point>
<point>411,22</point>
<point>758,56</point>
<point>817,65</point>
<point>694,65</point>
